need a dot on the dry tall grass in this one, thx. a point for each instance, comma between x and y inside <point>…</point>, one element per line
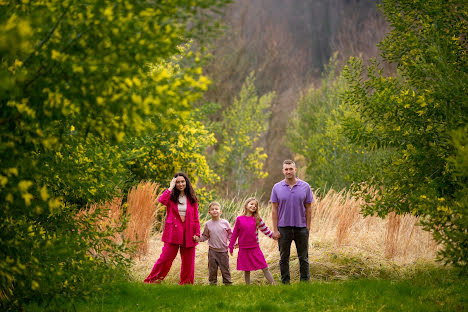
<point>142,208</point>
<point>392,234</point>
<point>112,216</point>
<point>337,218</point>
<point>343,244</point>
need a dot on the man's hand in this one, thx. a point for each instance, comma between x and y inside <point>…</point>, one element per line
<point>276,235</point>
<point>274,219</point>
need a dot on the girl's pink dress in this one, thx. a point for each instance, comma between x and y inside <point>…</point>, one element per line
<point>250,257</point>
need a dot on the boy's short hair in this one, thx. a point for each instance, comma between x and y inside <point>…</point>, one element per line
<point>215,203</point>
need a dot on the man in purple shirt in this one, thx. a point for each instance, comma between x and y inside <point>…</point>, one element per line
<point>291,201</point>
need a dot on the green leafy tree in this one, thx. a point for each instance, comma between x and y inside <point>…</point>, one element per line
<point>316,133</point>
<point>75,83</point>
<point>239,159</point>
<point>422,114</point>
<point>177,141</point>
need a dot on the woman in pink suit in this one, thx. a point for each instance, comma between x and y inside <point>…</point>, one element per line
<point>181,230</point>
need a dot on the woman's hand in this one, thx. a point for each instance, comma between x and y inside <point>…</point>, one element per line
<point>196,238</point>
<point>172,185</point>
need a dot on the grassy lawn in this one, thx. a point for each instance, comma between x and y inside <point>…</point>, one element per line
<point>435,290</point>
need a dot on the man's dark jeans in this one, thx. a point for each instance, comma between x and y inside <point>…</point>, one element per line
<point>300,236</point>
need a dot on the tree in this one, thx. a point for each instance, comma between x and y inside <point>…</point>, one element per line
<point>178,140</point>
<point>422,114</point>
<point>316,133</point>
<point>238,159</point>
<point>74,84</point>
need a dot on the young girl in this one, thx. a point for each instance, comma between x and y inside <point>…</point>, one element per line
<point>250,257</point>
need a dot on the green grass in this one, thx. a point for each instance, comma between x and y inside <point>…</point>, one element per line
<point>432,290</point>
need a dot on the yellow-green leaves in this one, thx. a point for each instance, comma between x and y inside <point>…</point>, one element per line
<point>16,34</point>
<point>238,159</point>
<point>319,131</point>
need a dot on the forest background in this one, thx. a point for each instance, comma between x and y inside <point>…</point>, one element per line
<point>99,96</point>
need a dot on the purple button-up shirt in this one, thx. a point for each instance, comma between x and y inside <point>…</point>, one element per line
<point>291,202</point>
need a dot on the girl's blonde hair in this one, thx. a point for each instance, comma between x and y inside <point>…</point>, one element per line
<point>254,214</point>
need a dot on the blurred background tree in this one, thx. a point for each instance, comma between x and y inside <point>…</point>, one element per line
<point>287,44</point>
<point>238,158</point>
<point>316,134</point>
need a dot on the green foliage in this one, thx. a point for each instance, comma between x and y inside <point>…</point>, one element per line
<point>454,235</point>
<point>238,159</point>
<point>74,84</point>
<point>316,133</point>
<point>159,155</point>
<point>422,114</point>
<point>178,141</point>
<point>175,141</point>
<point>84,170</point>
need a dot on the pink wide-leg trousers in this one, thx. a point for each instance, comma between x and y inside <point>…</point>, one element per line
<point>164,263</point>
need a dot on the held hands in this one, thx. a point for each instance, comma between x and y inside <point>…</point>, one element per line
<point>196,238</point>
<point>231,251</point>
<point>276,235</point>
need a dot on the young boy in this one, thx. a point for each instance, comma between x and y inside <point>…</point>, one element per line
<point>218,232</point>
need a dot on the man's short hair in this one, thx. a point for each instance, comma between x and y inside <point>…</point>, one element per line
<point>289,162</point>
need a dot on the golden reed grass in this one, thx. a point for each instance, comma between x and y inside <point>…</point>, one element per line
<point>392,234</point>
<point>141,209</point>
<point>111,217</point>
<point>339,232</point>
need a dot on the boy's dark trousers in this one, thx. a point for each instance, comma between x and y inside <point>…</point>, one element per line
<point>218,259</point>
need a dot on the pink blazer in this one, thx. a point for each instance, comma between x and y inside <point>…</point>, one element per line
<point>174,228</point>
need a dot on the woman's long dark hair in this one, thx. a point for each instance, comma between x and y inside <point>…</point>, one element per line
<point>189,192</point>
